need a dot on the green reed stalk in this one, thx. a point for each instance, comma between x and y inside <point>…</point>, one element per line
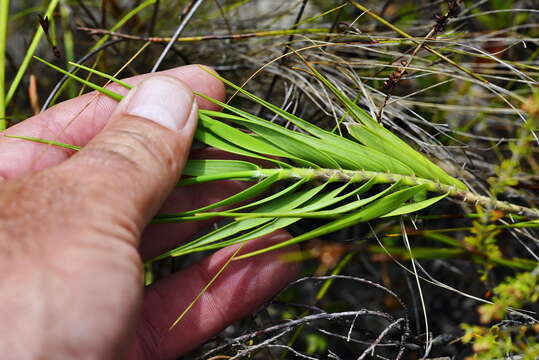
<point>4,11</point>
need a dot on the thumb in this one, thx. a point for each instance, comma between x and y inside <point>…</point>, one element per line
<point>133,164</point>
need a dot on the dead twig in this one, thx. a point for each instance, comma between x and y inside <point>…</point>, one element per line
<point>397,75</point>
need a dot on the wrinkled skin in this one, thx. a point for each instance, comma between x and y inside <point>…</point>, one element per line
<point>73,235</point>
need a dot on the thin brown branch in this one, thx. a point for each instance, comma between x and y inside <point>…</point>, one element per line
<point>438,27</point>
<point>156,39</point>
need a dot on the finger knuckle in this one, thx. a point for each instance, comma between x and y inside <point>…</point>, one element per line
<point>139,149</point>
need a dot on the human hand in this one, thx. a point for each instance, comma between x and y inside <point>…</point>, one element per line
<point>73,230</point>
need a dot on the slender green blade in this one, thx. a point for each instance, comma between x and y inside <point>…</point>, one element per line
<point>43,141</point>
<point>310,210</point>
<point>287,202</point>
<point>277,224</point>
<point>287,190</point>
<point>29,53</point>
<point>303,148</point>
<point>417,206</point>
<point>336,145</point>
<point>4,11</point>
<point>209,138</point>
<point>358,203</point>
<point>240,138</point>
<point>312,129</point>
<point>287,140</point>
<point>235,175</point>
<point>103,75</point>
<point>383,140</point>
<point>390,143</point>
<point>335,151</point>
<point>375,210</point>
<point>244,195</point>
<point>101,89</point>
<point>209,167</point>
<point>267,228</point>
<point>267,199</point>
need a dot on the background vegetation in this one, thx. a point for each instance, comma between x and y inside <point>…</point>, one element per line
<point>455,80</point>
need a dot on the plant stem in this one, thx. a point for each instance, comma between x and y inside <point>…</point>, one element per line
<point>355,176</point>
<point>237,36</point>
<point>452,191</point>
<point>4,11</point>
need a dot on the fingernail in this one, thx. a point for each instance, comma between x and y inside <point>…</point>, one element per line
<point>163,100</point>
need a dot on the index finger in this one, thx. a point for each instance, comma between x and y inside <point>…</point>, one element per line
<point>78,120</point>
